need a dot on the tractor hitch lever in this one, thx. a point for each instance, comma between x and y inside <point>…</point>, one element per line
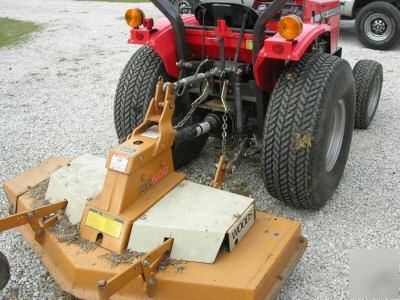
<point>181,85</point>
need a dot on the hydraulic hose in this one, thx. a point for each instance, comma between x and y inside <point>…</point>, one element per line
<point>210,123</point>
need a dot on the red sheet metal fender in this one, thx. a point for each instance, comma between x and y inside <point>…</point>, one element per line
<point>161,40</point>
<point>276,50</point>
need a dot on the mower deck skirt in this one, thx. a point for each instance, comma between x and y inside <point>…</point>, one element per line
<point>255,269</point>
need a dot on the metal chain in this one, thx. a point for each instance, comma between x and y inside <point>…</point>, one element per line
<point>224,132</point>
<point>225,116</point>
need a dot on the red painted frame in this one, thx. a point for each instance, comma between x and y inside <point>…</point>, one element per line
<point>272,57</point>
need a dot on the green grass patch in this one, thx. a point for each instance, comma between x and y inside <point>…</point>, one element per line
<point>126,1</point>
<point>14,31</point>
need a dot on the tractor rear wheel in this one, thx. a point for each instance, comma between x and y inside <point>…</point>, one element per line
<point>368,76</point>
<point>308,130</point>
<point>4,271</point>
<point>136,87</point>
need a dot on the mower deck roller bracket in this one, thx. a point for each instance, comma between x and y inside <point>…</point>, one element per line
<point>255,269</point>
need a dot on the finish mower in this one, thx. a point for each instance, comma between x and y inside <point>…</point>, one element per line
<point>265,78</point>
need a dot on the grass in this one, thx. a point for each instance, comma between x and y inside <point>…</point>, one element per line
<point>14,31</point>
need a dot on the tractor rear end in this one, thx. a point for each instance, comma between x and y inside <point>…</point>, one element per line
<point>270,77</point>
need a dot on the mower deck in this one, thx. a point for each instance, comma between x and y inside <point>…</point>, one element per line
<point>255,269</point>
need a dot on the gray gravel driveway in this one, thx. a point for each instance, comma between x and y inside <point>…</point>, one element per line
<point>56,98</point>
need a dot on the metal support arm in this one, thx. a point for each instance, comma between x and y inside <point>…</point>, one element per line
<point>35,218</point>
<point>145,267</point>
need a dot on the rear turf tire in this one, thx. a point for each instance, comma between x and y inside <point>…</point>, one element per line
<point>4,271</point>
<point>378,25</point>
<point>136,87</point>
<point>368,77</point>
<point>301,165</point>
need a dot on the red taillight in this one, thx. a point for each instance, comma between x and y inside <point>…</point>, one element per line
<point>148,23</point>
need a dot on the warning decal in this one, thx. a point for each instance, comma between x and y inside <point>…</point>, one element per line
<point>104,223</point>
<point>119,163</point>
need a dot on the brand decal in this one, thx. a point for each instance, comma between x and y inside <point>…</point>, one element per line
<point>327,14</point>
<point>154,179</point>
<point>243,224</point>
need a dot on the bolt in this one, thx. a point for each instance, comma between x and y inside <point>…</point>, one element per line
<point>141,158</point>
<point>101,283</point>
<point>31,214</point>
<point>152,282</point>
<point>171,106</point>
<point>145,263</point>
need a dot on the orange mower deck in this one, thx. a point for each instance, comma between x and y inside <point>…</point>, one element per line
<point>256,269</point>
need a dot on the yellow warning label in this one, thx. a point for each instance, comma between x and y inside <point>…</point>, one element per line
<point>103,223</point>
<point>249,44</point>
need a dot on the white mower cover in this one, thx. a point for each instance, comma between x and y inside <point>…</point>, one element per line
<point>79,182</point>
<point>198,218</point>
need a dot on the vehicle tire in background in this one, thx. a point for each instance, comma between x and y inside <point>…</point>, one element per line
<point>378,25</point>
<point>185,6</point>
<point>308,130</point>
<point>4,271</point>
<point>368,77</point>
<point>136,87</point>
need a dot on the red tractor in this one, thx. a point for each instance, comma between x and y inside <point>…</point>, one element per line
<point>266,77</point>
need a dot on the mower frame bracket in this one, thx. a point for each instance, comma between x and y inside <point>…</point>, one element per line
<point>145,267</point>
<point>35,218</point>
<point>219,176</point>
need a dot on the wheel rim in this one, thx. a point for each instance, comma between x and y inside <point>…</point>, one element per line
<point>374,98</point>
<point>336,135</point>
<point>184,7</point>
<point>378,27</point>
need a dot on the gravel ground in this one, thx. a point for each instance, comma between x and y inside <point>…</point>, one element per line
<point>56,98</point>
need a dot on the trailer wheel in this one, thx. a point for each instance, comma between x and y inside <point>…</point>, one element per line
<point>368,76</point>
<point>4,271</point>
<point>135,89</point>
<point>308,130</point>
<point>378,25</point>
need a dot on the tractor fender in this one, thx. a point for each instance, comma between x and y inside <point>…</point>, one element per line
<point>161,39</point>
<point>278,50</point>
